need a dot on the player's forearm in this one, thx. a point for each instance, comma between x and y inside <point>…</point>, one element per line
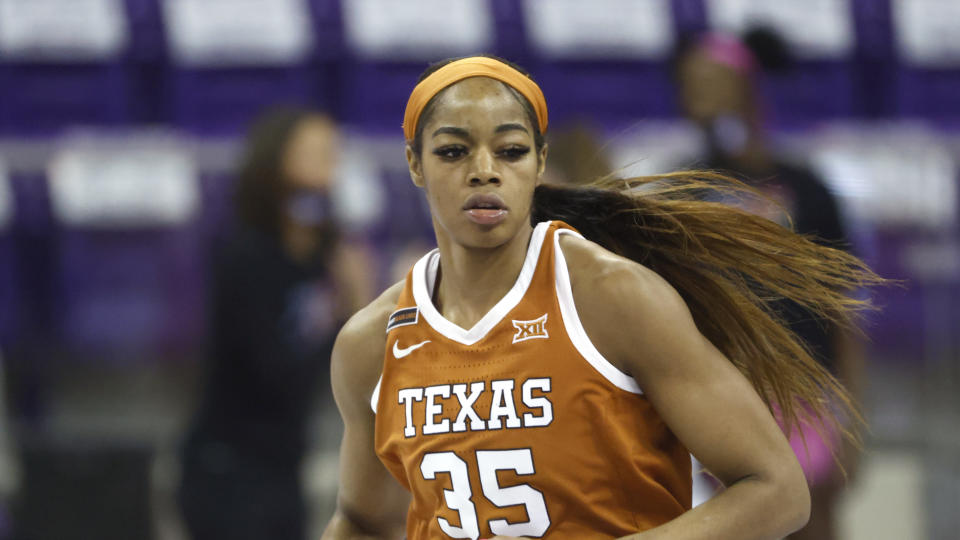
<point>341,527</point>
<point>750,509</point>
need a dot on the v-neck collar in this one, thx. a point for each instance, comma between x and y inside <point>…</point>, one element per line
<point>424,280</point>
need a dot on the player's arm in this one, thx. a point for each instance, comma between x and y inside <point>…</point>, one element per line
<point>371,504</point>
<point>641,324</point>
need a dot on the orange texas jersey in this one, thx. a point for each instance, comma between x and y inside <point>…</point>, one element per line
<point>518,426</point>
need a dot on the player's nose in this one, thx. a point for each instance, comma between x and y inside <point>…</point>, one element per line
<point>483,170</point>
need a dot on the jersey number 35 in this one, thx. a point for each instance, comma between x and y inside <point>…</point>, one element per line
<point>488,463</point>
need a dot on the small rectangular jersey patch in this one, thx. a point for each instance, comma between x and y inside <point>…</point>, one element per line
<point>535,329</point>
<point>403,317</point>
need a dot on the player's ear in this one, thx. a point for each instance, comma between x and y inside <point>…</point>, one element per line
<point>541,163</point>
<point>416,167</point>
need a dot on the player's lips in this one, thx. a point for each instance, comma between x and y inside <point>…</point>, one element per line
<point>486,209</point>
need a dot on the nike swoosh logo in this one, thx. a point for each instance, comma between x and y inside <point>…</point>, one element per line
<point>399,353</point>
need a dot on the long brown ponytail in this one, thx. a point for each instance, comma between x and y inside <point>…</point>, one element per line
<point>732,268</point>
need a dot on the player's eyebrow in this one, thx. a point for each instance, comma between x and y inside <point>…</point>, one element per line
<point>510,127</point>
<point>456,131</point>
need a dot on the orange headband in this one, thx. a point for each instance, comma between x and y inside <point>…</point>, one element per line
<point>474,66</point>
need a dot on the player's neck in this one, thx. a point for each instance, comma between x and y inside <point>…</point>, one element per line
<point>471,281</point>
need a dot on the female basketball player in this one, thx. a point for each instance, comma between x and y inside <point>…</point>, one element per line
<point>533,382</point>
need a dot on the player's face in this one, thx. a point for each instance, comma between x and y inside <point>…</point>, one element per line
<point>479,164</point>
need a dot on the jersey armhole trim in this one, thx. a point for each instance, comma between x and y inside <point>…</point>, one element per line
<point>574,328</point>
<point>375,396</point>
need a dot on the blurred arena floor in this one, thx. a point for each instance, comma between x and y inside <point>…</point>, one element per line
<point>907,487</point>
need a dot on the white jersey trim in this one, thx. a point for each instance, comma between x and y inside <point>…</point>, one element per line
<point>375,397</point>
<point>424,279</point>
<point>571,322</point>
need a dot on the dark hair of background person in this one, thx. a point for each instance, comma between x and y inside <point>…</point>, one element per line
<point>261,181</point>
<point>729,266</point>
<point>767,47</point>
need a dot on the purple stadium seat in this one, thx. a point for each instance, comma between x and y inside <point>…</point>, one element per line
<point>382,59</point>
<point>614,94</point>
<point>60,69</point>
<point>43,98</point>
<point>930,94</point>
<point>128,264</point>
<point>613,78</point>
<point>927,90</point>
<point>374,94</point>
<point>130,290</point>
<point>217,86</point>
<point>810,93</point>
<point>925,82</point>
<point>223,101</point>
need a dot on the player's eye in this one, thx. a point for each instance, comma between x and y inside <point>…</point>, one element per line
<point>450,152</point>
<point>514,152</point>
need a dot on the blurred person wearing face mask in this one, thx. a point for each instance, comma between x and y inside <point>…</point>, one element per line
<point>717,84</point>
<point>280,290</point>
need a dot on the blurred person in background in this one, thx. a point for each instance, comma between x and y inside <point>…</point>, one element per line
<point>716,77</point>
<point>9,464</point>
<point>283,281</point>
<point>576,155</point>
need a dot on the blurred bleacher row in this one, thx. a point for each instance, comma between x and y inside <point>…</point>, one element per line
<point>104,246</point>
<point>206,66</point>
<point>120,121</point>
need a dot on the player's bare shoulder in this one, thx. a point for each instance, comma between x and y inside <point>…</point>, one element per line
<point>616,296</point>
<point>607,275</point>
<point>358,352</point>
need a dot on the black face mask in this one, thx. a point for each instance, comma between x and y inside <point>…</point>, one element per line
<point>309,208</point>
<point>727,135</point>
<point>314,209</point>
